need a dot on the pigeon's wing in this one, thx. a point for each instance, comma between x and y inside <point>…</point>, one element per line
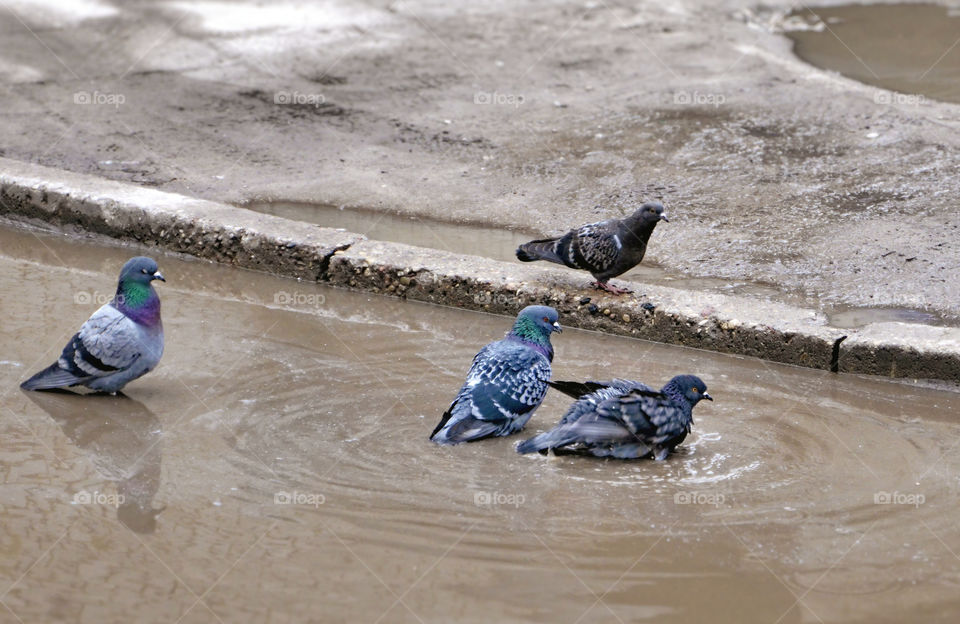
<point>649,415</point>
<point>592,393</point>
<point>577,389</point>
<point>596,246</point>
<point>589,428</point>
<point>108,342</point>
<point>506,382</point>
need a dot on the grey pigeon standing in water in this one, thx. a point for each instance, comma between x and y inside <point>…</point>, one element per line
<point>623,419</point>
<point>122,341</point>
<point>606,249</point>
<point>506,382</point>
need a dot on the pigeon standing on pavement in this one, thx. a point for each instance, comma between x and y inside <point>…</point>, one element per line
<point>506,382</point>
<point>122,341</point>
<point>606,249</point>
<point>623,419</point>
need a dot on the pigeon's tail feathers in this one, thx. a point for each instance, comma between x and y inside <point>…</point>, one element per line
<point>466,429</point>
<point>589,431</point>
<point>545,249</point>
<point>462,426</point>
<point>443,421</point>
<point>577,389</point>
<point>52,377</point>
<point>561,436</point>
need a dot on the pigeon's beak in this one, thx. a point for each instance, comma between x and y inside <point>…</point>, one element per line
<point>557,328</point>
<point>707,396</point>
<point>159,276</point>
<point>663,217</point>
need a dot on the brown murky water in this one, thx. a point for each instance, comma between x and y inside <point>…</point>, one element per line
<point>276,468</point>
<point>908,48</point>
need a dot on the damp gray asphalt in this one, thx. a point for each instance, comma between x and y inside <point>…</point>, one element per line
<point>275,467</point>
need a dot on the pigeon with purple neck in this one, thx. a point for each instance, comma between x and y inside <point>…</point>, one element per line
<point>506,382</point>
<point>122,341</point>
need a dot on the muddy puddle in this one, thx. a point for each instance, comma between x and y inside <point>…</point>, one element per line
<point>501,244</point>
<point>276,468</point>
<point>907,48</point>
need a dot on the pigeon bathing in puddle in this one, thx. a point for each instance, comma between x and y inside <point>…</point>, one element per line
<point>506,383</point>
<point>606,249</point>
<point>623,419</point>
<point>122,341</point>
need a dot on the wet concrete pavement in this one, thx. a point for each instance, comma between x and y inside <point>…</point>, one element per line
<point>501,244</point>
<point>275,467</point>
<point>531,116</point>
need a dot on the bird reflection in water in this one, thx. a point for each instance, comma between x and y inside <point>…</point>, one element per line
<point>121,437</point>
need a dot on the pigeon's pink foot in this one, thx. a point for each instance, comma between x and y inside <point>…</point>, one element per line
<point>611,289</point>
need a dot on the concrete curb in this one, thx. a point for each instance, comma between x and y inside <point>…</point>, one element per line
<point>247,239</point>
<point>175,222</point>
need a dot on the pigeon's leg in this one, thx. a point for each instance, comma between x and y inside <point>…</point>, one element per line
<point>610,288</point>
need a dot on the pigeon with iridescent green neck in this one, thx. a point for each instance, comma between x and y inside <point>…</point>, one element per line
<point>122,341</point>
<point>506,383</point>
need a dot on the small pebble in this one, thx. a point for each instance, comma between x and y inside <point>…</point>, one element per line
<point>585,301</point>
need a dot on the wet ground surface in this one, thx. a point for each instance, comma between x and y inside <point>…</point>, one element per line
<point>501,244</point>
<point>906,48</point>
<point>275,467</point>
<point>775,171</point>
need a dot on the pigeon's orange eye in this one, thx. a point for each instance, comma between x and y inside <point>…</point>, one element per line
<point>546,320</point>
<point>696,390</point>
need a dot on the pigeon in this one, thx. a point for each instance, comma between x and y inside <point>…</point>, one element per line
<point>506,382</point>
<point>122,341</point>
<point>606,249</point>
<point>623,419</point>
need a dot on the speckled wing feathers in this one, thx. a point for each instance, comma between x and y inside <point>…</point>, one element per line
<point>621,418</point>
<point>506,383</point>
<point>595,247</point>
